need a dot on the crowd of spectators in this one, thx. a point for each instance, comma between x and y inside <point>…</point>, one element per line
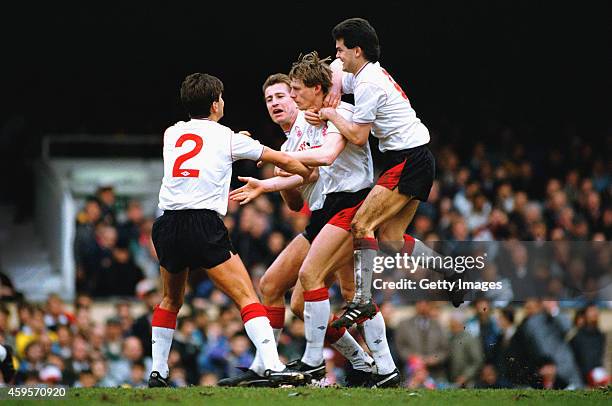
<point>484,196</point>
<point>478,346</point>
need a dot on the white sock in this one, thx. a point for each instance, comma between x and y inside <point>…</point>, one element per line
<point>161,339</point>
<point>2,353</point>
<point>376,338</point>
<point>259,331</point>
<point>352,351</point>
<point>257,365</point>
<point>277,333</point>
<point>316,317</point>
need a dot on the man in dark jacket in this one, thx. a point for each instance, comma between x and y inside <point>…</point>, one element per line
<point>589,343</point>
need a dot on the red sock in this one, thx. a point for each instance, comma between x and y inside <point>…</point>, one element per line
<point>316,295</point>
<point>253,310</point>
<point>163,318</point>
<point>276,316</point>
<point>366,243</point>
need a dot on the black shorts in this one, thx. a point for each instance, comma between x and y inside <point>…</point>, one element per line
<point>315,224</point>
<point>191,239</point>
<point>412,171</point>
<point>339,209</point>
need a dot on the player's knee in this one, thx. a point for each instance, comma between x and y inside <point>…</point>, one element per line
<point>268,289</point>
<point>309,279</point>
<point>359,229</point>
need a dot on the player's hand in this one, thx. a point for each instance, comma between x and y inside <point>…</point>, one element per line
<point>245,132</point>
<point>312,117</point>
<point>333,98</point>
<point>248,192</point>
<point>326,113</point>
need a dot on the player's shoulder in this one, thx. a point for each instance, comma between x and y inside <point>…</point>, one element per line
<point>372,74</point>
<point>345,110</point>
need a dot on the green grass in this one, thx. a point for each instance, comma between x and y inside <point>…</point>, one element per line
<point>327,396</point>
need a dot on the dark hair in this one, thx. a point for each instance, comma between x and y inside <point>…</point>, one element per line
<point>312,71</point>
<point>198,92</point>
<point>275,79</point>
<point>357,32</point>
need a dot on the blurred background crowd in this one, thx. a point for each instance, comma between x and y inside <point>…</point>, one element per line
<point>483,195</point>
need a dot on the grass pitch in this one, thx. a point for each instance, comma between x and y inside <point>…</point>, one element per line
<point>322,396</point>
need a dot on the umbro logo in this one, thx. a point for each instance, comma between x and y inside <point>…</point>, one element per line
<point>185,173</point>
<point>321,328</point>
<point>152,341</point>
<point>378,341</point>
<point>266,341</point>
<point>355,353</point>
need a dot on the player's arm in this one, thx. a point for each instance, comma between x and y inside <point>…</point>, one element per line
<point>355,133</point>
<point>254,188</point>
<point>285,162</point>
<point>335,93</point>
<point>325,155</point>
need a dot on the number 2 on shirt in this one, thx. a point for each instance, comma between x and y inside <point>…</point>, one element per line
<point>398,87</point>
<point>179,172</point>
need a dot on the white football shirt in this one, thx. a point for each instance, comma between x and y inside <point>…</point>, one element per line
<point>352,170</point>
<point>198,157</point>
<point>312,192</point>
<point>381,101</point>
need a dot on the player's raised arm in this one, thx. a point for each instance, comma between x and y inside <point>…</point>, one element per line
<point>335,92</point>
<point>355,133</point>
<point>326,154</point>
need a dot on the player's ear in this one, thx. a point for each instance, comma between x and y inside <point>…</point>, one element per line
<point>358,51</point>
<point>214,108</point>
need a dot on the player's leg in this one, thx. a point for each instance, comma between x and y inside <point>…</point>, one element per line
<point>392,239</point>
<point>279,278</point>
<point>380,205</point>
<point>232,278</point>
<point>163,323</point>
<point>313,274</point>
<point>340,338</point>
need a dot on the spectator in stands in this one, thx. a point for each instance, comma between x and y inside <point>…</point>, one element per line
<point>547,377</point>
<point>465,355</point>
<point>129,230</point>
<point>56,314</point>
<point>589,343</point>
<point>106,197</point>
<point>114,339</point>
<point>34,329</point>
<point>483,327</point>
<point>148,292</point>
<point>187,345</point>
<point>541,334</point>
<point>32,361</point>
<point>418,375</point>
<point>423,336</point>
<point>488,378</point>
<point>86,222</point>
<point>121,369</point>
